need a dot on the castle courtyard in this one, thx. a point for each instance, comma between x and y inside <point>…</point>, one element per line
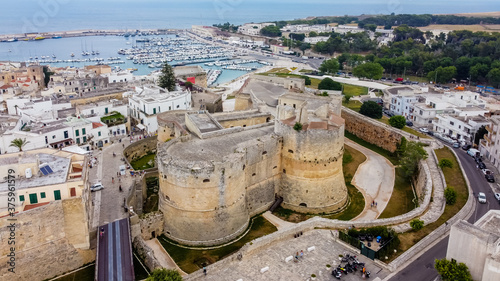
<point>326,251</point>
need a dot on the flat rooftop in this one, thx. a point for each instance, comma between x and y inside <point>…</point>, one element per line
<point>59,165</point>
<point>265,91</point>
<point>216,148</point>
<point>204,123</point>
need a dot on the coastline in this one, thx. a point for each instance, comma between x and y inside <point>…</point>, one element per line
<point>83,33</point>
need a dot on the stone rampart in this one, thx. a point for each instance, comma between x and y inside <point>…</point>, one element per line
<point>151,225</point>
<point>145,253</point>
<point>50,240</point>
<point>370,130</point>
<point>140,148</point>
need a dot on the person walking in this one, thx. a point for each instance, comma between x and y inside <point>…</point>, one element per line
<point>112,180</point>
<point>205,270</point>
<point>301,254</point>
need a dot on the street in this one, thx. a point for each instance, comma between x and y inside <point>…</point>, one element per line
<point>423,267</point>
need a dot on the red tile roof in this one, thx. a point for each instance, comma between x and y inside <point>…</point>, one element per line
<point>33,206</point>
<point>96,125</point>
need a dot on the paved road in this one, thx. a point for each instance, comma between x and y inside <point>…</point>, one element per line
<point>114,261</point>
<point>422,268</point>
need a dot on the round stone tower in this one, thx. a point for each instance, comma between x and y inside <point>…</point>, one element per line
<point>312,179</point>
<point>203,200</point>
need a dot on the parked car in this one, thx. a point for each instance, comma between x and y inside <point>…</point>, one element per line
<point>423,130</point>
<point>96,187</point>
<point>473,152</point>
<point>466,147</point>
<point>481,197</point>
<point>490,178</point>
<point>481,165</point>
<point>487,172</point>
<point>497,196</point>
<point>414,82</point>
<point>409,123</point>
<point>456,145</point>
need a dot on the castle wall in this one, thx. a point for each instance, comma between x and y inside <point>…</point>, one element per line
<point>244,122</point>
<point>140,148</point>
<point>217,197</point>
<point>370,130</point>
<point>49,240</point>
<point>312,179</point>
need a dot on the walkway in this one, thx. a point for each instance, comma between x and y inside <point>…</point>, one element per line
<point>162,256</point>
<point>375,179</point>
<point>279,223</point>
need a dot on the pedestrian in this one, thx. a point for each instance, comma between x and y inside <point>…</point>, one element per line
<point>375,204</point>
<point>112,180</point>
<point>205,270</point>
<point>301,254</point>
<point>120,187</point>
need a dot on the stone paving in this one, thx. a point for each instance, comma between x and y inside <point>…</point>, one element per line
<point>327,251</point>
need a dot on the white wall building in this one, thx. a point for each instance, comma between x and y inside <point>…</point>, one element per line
<point>144,106</point>
<point>315,40</point>
<point>490,144</point>
<point>462,124</point>
<point>253,28</point>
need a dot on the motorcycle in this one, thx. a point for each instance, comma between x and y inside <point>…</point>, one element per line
<point>336,274</point>
<point>342,269</point>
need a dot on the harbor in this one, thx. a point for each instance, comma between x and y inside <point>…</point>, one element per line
<point>141,54</point>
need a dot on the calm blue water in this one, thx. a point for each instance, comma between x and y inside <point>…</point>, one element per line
<point>55,15</point>
<point>108,46</point>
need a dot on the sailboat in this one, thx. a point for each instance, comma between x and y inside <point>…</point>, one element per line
<point>72,55</point>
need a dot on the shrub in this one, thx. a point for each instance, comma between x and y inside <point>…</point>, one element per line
<point>397,121</point>
<point>445,163</point>
<point>297,127</point>
<point>371,109</point>
<point>347,98</point>
<point>329,84</point>
<point>450,195</point>
<point>417,224</point>
<point>450,270</point>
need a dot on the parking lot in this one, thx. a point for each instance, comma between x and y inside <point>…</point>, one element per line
<point>326,251</point>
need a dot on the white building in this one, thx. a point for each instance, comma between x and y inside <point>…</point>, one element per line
<point>147,102</point>
<point>477,245</point>
<point>119,77</point>
<point>490,144</point>
<point>253,28</point>
<point>462,124</point>
<point>315,40</point>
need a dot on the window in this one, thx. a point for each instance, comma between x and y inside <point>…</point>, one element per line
<point>177,106</point>
<point>54,136</point>
<point>99,134</point>
<point>84,139</point>
<point>77,133</point>
<point>33,198</point>
<point>78,140</point>
<point>83,131</point>
<point>21,198</point>
<point>106,110</point>
<point>452,123</point>
<point>154,110</point>
<point>57,194</point>
<point>72,192</point>
<point>42,195</point>
<point>66,134</point>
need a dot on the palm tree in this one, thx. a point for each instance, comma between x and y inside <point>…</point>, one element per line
<point>19,143</point>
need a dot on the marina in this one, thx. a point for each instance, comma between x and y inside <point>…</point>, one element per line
<point>142,54</point>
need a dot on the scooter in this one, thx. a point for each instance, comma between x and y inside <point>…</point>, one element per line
<point>342,269</point>
<point>336,274</point>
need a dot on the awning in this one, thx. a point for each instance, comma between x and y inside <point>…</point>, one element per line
<point>140,126</point>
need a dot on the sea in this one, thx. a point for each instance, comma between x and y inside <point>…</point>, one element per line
<point>33,16</point>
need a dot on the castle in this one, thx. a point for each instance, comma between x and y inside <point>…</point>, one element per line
<point>218,170</point>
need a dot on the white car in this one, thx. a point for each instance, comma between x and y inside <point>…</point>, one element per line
<point>497,196</point>
<point>481,197</point>
<point>487,172</point>
<point>96,187</point>
<point>423,130</point>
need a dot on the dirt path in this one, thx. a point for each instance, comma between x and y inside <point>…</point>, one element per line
<point>375,179</point>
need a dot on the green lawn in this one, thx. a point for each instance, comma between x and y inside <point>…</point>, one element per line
<point>84,274</point>
<point>190,260</point>
<point>390,156</point>
<point>144,162</point>
<point>152,187</point>
<point>352,90</point>
<point>353,105</point>
<point>455,179</point>
<point>401,201</point>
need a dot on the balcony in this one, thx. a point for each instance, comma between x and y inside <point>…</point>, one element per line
<point>487,139</point>
<point>490,130</point>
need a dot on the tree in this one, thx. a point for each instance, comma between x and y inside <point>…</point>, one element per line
<point>413,153</point>
<point>442,74</point>
<point>304,46</point>
<point>451,271</point>
<point>307,80</point>
<point>480,134</point>
<point>329,84</point>
<point>297,36</point>
<point>371,27</point>
<point>167,78</point>
<point>494,77</point>
<point>450,195</point>
<point>370,70</point>
<point>189,85</point>
<point>417,224</point>
<point>298,126</point>
<point>347,98</point>
<point>271,31</point>
<point>163,274</point>
<point>397,121</point>
<point>19,143</point>
<point>313,34</point>
<point>371,109</point>
<point>330,66</point>
<point>445,163</point>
